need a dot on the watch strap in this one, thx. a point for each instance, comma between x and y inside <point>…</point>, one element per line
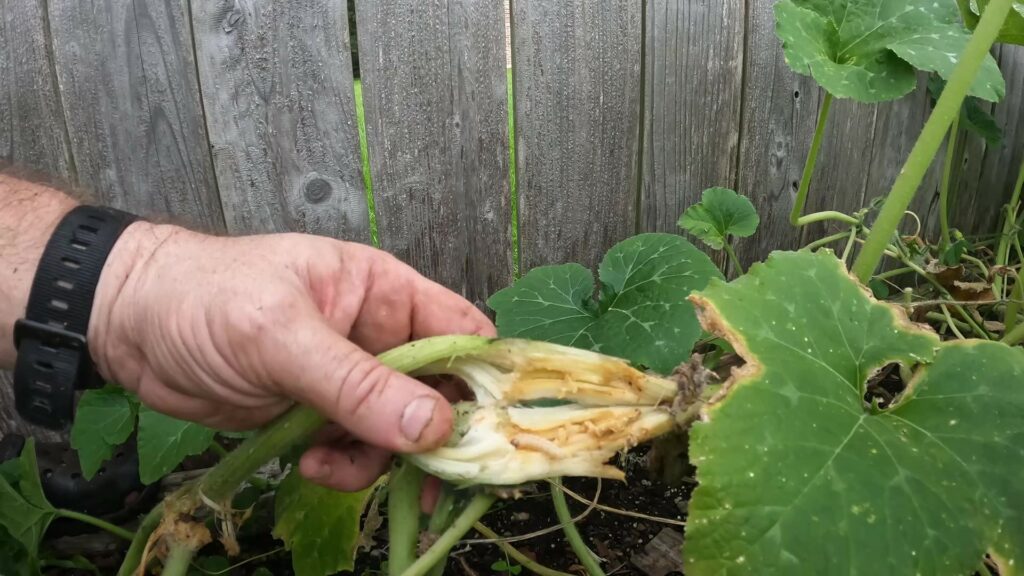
<point>53,354</point>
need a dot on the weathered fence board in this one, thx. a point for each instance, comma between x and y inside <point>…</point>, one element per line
<point>1002,164</point>
<point>775,135</point>
<point>32,131</point>
<point>577,98</point>
<point>128,82</point>
<point>277,86</point>
<point>692,92</point>
<point>434,90</point>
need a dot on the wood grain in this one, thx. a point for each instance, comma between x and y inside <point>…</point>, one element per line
<point>577,98</point>
<point>32,130</point>
<point>434,88</point>
<point>780,109</point>
<point>692,94</point>
<point>280,106</point>
<point>128,80</point>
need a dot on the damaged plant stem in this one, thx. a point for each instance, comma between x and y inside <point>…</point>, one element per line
<point>502,439</point>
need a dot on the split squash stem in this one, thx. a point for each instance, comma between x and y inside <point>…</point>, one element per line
<point>946,109</point>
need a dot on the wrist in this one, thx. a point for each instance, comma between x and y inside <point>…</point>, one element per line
<point>114,323</point>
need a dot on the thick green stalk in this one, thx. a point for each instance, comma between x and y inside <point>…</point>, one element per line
<point>178,560</point>
<point>440,520</point>
<point>1009,223</point>
<point>946,110</point>
<point>94,521</point>
<point>812,160</point>
<point>515,554</point>
<point>571,533</point>
<point>404,491</point>
<point>130,564</point>
<point>473,511</point>
<point>1014,336</point>
<point>947,174</point>
<point>296,425</point>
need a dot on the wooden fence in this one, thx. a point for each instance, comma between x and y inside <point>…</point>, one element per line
<point>239,116</point>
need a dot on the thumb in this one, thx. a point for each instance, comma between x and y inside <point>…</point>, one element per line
<point>317,366</point>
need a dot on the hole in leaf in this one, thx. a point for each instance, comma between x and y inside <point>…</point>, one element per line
<point>885,386</point>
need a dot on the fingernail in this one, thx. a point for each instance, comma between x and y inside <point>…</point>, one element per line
<point>417,416</point>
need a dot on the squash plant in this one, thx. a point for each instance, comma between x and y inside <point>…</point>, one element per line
<point>804,467</point>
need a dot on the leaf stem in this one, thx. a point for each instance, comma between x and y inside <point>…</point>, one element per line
<point>583,552</point>
<point>894,272</point>
<point>1009,223</point>
<point>439,521</point>
<point>178,560</point>
<point>732,257</point>
<point>947,173</point>
<point>947,108</point>
<point>404,491</point>
<point>827,215</point>
<point>1014,336</point>
<point>130,564</point>
<point>812,160</point>
<point>475,510</point>
<point>826,241</point>
<point>94,521</point>
<point>516,555</point>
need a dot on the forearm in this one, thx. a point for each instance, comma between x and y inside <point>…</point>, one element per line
<point>28,215</point>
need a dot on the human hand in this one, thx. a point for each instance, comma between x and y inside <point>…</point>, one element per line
<point>229,332</point>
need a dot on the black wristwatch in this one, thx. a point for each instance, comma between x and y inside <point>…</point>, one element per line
<point>53,353</point>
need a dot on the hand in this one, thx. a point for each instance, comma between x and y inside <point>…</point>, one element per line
<point>229,332</point>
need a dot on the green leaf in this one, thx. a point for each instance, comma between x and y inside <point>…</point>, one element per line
<point>319,525</point>
<point>24,510</point>
<point>954,253</point>
<point>642,314</point>
<point>13,556</point>
<point>1012,31</point>
<point>798,474</point>
<point>104,419</point>
<point>164,442</point>
<point>879,289</point>
<point>973,117</point>
<point>868,50</point>
<point>720,213</point>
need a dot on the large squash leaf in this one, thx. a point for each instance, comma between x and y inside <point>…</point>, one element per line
<point>1012,31</point>
<point>104,419</point>
<point>642,314</point>
<point>319,525</point>
<point>25,512</point>
<point>868,50</point>
<point>164,442</point>
<point>798,474</point>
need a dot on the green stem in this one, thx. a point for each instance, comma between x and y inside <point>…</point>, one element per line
<point>404,491</point>
<point>895,272</point>
<point>475,510</point>
<point>440,520</point>
<point>732,257</point>
<point>94,521</point>
<point>586,557</point>
<point>516,555</point>
<point>178,560</point>
<point>219,450</point>
<point>951,322</point>
<point>130,564</point>
<point>826,241</point>
<point>1013,305</point>
<point>946,110</point>
<point>826,215</point>
<point>947,173</point>
<point>849,244</point>
<point>939,317</point>
<point>812,160</point>
<point>296,425</point>
<point>1014,336</point>
<point>1009,224</point>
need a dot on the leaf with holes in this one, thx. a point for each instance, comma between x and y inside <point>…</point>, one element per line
<point>164,442</point>
<point>1012,31</point>
<point>104,419</point>
<point>642,314</point>
<point>869,50</point>
<point>721,213</point>
<point>319,525</point>
<point>24,511</point>
<point>799,474</point>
